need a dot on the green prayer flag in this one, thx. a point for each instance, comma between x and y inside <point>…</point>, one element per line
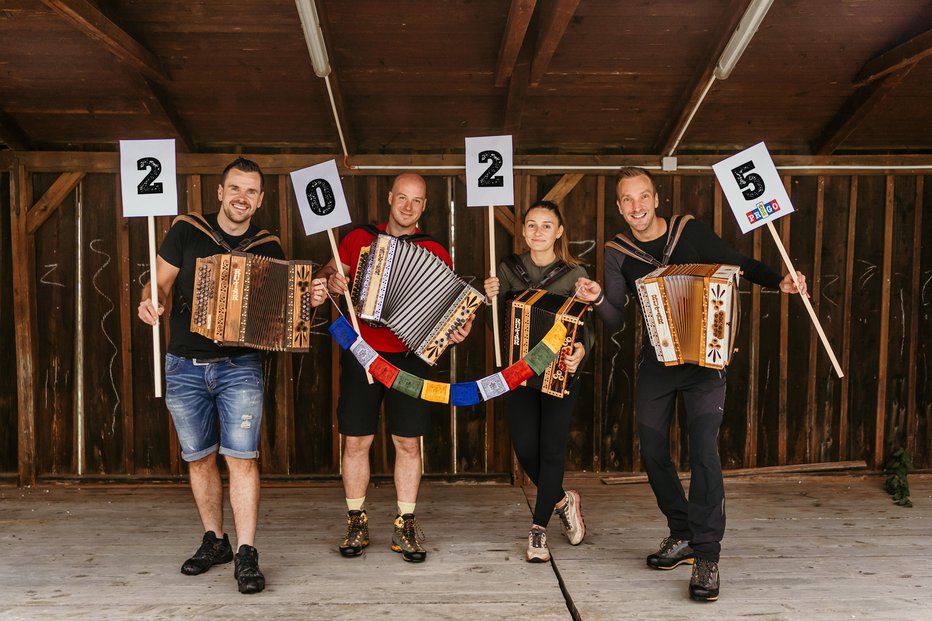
<point>410,385</point>
<point>539,358</point>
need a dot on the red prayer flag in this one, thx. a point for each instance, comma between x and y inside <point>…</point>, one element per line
<point>517,373</point>
<point>384,371</point>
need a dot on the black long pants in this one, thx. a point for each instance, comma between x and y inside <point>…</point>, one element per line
<point>539,426</point>
<point>701,519</point>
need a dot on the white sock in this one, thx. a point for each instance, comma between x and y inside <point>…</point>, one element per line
<point>405,507</point>
<point>355,504</point>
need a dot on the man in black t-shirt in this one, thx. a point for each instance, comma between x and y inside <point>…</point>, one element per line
<point>215,393</point>
<point>697,524</point>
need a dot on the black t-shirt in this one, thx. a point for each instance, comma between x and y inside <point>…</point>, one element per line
<point>183,246</point>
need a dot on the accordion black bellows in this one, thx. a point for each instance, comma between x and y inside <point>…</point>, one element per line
<point>531,315</point>
<point>254,301</point>
<point>413,293</point>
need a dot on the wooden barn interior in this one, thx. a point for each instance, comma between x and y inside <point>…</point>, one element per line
<point>839,91</point>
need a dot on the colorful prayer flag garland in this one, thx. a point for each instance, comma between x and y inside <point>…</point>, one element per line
<point>462,393</point>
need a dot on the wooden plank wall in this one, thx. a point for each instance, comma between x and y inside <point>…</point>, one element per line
<point>8,397</point>
<point>863,241</point>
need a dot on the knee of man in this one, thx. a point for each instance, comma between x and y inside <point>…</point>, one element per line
<point>408,446</point>
<point>356,445</point>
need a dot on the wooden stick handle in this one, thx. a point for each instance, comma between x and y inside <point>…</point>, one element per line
<point>349,299</point>
<point>812,315</point>
<point>492,262</point>
<point>154,290</point>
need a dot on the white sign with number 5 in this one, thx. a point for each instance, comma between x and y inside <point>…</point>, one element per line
<point>147,178</point>
<point>489,171</point>
<point>753,187</point>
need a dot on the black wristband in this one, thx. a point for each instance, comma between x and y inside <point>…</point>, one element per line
<point>599,299</point>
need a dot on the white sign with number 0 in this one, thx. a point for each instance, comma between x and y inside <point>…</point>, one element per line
<point>489,171</point>
<point>753,187</point>
<point>321,201</point>
<point>147,178</point>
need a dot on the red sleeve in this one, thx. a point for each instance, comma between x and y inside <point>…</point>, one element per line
<point>438,250</point>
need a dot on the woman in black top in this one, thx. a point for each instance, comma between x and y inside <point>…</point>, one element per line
<point>539,423</point>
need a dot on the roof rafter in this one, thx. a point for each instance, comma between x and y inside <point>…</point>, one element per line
<point>554,20</point>
<point>12,134</point>
<point>156,102</point>
<point>907,53</point>
<point>518,86</point>
<point>519,17</point>
<point>694,92</point>
<point>88,19</point>
<point>855,110</point>
<point>338,101</point>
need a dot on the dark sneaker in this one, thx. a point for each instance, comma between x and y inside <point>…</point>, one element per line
<point>537,550</point>
<point>571,519</point>
<point>673,552</point>
<point>407,538</point>
<point>248,577</point>
<point>357,534</point>
<point>212,552</point>
<point>703,585</point>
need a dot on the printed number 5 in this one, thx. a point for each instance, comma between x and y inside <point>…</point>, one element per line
<point>155,169</point>
<point>486,179</point>
<point>751,184</point>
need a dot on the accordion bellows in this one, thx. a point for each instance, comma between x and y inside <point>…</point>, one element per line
<point>531,315</point>
<point>413,293</point>
<point>691,312</point>
<point>243,299</point>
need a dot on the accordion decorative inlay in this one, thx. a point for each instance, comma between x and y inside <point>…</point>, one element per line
<point>691,312</point>
<point>413,293</point>
<point>250,300</point>
<point>531,315</point>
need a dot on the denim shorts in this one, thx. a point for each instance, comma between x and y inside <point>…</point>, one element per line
<point>199,394</point>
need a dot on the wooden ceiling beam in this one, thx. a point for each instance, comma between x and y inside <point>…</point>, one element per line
<point>91,21</point>
<point>158,105</point>
<point>694,92</point>
<point>349,136</point>
<point>903,55</point>
<point>12,134</point>
<point>517,92</point>
<point>855,110</point>
<point>519,17</point>
<point>554,20</point>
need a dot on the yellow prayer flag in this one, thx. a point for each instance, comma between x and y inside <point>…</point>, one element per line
<point>435,391</point>
<point>554,338</point>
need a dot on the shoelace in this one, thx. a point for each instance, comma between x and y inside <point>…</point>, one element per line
<point>704,571</point>
<point>410,531</point>
<point>668,544</point>
<point>207,549</point>
<point>564,518</point>
<point>537,538</point>
<point>354,525</point>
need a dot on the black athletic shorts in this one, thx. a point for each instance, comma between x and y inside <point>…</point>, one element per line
<point>358,407</point>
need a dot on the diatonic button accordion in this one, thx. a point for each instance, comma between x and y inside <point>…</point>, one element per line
<point>249,300</point>
<point>412,292</point>
<point>531,315</point>
<point>691,312</point>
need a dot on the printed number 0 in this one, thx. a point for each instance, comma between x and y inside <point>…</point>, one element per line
<point>486,179</point>
<point>313,198</point>
<point>155,169</point>
<point>751,184</point>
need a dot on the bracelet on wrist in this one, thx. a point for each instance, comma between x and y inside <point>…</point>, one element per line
<point>599,299</point>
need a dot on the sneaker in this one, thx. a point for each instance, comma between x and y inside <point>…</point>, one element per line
<point>673,552</point>
<point>247,574</point>
<point>357,534</point>
<point>407,538</point>
<point>537,550</point>
<point>703,585</point>
<point>212,552</point>
<point>571,519</point>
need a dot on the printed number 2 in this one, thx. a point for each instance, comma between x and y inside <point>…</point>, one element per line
<point>155,169</point>
<point>751,184</point>
<point>486,179</point>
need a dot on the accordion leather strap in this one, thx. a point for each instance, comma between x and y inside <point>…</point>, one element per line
<point>413,237</point>
<point>514,263</point>
<point>200,223</point>
<point>622,243</point>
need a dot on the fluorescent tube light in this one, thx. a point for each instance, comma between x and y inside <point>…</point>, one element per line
<point>314,37</point>
<point>739,41</point>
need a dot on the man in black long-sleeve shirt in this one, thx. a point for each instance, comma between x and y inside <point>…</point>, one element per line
<point>697,525</point>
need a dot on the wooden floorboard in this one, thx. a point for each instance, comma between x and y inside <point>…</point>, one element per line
<point>812,548</point>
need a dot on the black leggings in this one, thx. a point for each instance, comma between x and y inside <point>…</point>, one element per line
<point>701,519</point>
<point>539,426</point>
